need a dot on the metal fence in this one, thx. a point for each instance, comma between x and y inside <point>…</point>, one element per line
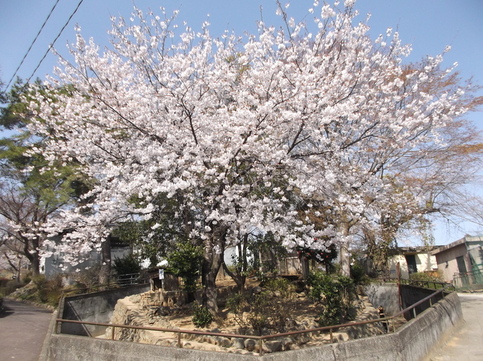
<point>468,279</point>
<point>388,322</point>
<point>129,279</point>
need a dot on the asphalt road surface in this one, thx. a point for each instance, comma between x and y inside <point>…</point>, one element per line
<point>22,331</point>
<point>467,343</point>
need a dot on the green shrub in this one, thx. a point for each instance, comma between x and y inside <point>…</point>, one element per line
<point>435,276</point>
<point>185,262</point>
<point>39,281</point>
<point>126,265</point>
<point>87,280</point>
<point>336,294</point>
<point>42,291</point>
<point>12,286</point>
<point>280,287</point>
<point>264,307</point>
<point>54,290</point>
<point>201,316</point>
<point>358,275</point>
<point>27,278</point>
<point>4,281</point>
<point>238,304</point>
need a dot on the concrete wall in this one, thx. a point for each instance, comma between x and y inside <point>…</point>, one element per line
<point>431,328</point>
<point>93,307</point>
<point>385,295</point>
<point>411,343</point>
<point>411,294</point>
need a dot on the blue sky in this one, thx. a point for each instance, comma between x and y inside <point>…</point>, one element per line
<point>429,25</point>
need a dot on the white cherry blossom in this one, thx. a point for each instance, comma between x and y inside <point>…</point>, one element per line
<point>239,128</point>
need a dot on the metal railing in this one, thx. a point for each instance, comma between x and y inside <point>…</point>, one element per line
<point>428,284</point>
<point>128,279</point>
<point>389,322</point>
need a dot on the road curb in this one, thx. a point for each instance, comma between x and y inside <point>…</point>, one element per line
<point>45,345</point>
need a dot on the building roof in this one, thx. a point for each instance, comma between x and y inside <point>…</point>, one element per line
<point>468,240</point>
<point>415,250</point>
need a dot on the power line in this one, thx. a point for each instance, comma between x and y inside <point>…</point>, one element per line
<point>52,44</point>
<point>57,37</point>
<point>33,42</point>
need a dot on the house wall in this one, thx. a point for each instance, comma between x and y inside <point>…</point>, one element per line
<point>447,263</point>
<point>424,262</point>
<point>470,248</point>
<point>120,252</point>
<point>54,264</point>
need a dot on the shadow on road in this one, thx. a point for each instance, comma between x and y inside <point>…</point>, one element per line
<point>11,307</point>
<point>23,330</point>
<point>5,311</point>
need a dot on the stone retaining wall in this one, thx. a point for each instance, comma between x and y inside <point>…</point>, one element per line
<point>410,343</point>
<point>147,310</point>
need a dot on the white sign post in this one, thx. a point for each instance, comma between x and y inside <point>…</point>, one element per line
<point>161,277</point>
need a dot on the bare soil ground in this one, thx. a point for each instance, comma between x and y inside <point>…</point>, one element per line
<point>300,311</point>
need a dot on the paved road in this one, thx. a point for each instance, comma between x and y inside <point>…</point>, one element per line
<point>22,331</point>
<point>467,343</point>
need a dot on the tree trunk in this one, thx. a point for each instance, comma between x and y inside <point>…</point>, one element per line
<point>105,271</point>
<point>211,266</point>
<point>305,267</point>
<point>345,267</point>
<point>35,264</point>
<point>344,255</point>
<point>241,265</point>
<point>15,267</point>
<point>19,269</point>
<point>240,280</point>
<point>212,261</point>
<point>31,251</point>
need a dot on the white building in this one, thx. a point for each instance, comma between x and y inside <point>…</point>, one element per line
<point>412,260</point>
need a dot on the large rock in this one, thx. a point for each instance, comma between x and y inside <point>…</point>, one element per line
<point>159,309</point>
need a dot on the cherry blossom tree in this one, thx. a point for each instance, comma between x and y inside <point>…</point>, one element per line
<point>240,129</point>
<point>30,194</point>
<point>432,179</point>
